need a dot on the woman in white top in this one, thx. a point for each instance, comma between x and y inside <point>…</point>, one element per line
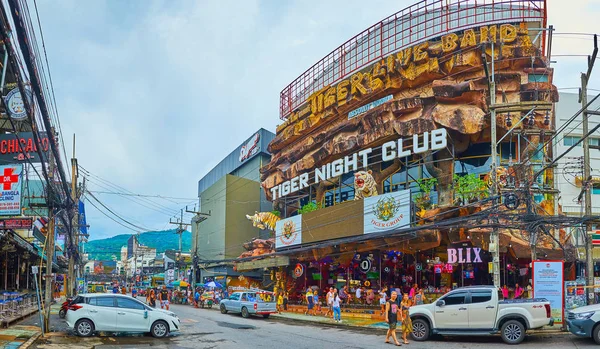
<point>382,299</point>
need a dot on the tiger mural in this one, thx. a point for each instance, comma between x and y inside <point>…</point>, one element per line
<point>502,175</point>
<point>364,185</point>
<point>264,220</point>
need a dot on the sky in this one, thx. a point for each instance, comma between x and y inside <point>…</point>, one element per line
<point>159,92</point>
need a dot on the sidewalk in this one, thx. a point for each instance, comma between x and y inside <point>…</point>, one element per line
<point>18,336</point>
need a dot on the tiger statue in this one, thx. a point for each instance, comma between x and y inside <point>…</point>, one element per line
<point>364,185</point>
<point>502,175</point>
<point>264,220</point>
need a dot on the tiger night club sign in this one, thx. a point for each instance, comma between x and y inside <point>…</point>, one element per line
<point>434,140</point>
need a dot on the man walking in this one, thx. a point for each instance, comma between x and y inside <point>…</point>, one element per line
<point>163,296</point>
<point>391,317</point>
<point>329,298</point>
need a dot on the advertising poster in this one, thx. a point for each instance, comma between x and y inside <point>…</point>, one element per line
<point>10,197</point>
<point>575,294</point>
<point>390,211</point>
<point>548,283</point>
<point>288,232</point>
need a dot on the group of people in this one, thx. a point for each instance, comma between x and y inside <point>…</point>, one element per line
<point>163,296</point>
<point>519,292</point>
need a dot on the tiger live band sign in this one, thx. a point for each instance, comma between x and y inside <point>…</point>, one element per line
<point>389,211</point>
<point>10,197</point>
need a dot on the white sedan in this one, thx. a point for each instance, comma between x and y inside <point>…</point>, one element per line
<point>102,312</point>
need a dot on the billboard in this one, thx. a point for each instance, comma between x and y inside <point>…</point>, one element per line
<point>15,149</point>
<point>288,232</point>
<point>10,196</point>
<point>386,212</point>
<point>548,281</point>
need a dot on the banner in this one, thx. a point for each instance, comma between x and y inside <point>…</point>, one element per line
<point>548,281</point>
<point>288,232</point>
<point>390,211</point>
<point>23,148</point>
<point>82,221</point>
<point>10,196</point>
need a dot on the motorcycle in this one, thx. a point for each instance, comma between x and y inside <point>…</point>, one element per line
<point>64,307</point>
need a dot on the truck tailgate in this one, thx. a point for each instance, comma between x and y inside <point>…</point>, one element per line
<point>536,311</point>
<point>266,307</point>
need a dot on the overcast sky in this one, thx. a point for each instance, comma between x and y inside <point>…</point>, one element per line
<point>158,92</point>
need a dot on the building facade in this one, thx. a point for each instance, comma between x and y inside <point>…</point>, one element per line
<point>229,192</point>
<point>382,167</point>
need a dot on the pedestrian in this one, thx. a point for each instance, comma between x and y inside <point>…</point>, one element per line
<point>286,299</point>
<point>152,298</point>
<point>344,294</point>
<point>419,297</point>
<point>413,291</point>
<point>317,308</point>
<point>518,291</point>
<point>358,295</point>
<point>406,321</point>
<point>163,296</point>
<point>382,299</point>
<point>309,301</point>
<point>329,299</point>
<point>335,306</point>
<point>391,317</point>
<point>279,302</point>
<point>505,292</point>
<point>133,292</point>
<point>196,297</point>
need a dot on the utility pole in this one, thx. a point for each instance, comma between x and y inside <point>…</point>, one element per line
<point>49,241</point>
<point>586,180</point>
<point>179,231</point>
<point>198,218</point>
<point>495,235</point>
<point>74,226</point>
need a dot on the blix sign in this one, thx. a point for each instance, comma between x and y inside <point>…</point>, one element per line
<point>464,255</point>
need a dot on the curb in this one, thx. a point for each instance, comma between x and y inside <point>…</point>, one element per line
<point>328,324</point>
<point>30,341</point>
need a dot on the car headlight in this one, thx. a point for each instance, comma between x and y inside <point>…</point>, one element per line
<point>173,315</point>
<point>584,316</point>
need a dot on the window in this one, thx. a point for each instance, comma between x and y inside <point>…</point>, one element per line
<point>481,296</point>
<point>235,296</point>
<point>537,78</point>
<point>595,190</point>
<point>594,141</point>
<point>79,300</point>
<point>105,301</point>
<point>129,304</point>
<point>455,298</point>
<point>570,140</point>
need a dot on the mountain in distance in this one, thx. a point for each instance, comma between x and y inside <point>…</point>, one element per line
<point>105,249</point>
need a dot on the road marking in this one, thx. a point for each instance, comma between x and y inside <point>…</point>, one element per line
<point>189,320</point>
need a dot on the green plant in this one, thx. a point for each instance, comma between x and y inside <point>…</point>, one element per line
<point>276,212</point>
<point>469,188</point>
<point>423,198</point>
<point>311,206</point>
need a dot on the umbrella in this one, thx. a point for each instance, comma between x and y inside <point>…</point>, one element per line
<point>213,284</point>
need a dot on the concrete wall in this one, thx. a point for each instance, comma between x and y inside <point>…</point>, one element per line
<point>210,234</point>
<point>243,197</point>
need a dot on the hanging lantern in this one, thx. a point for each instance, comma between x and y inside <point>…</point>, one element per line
<point>508,120</point>
<point>531,119</point>
<point>547,118</point>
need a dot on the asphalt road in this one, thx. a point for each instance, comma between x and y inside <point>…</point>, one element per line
<point>202,328</point>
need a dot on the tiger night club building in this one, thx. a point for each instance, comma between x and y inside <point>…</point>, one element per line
<point>380,169</point>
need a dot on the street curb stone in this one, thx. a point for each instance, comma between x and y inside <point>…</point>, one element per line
<point>30,341</point>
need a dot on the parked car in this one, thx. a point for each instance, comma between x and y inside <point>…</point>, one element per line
<point>105,312</point>
<point>584,322</point>
<point>249,303</point>
<point>477,311</point>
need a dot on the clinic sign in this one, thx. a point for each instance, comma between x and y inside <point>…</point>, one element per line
<point>421,143</point>
<point>548,281</point>
<point>10,194</point>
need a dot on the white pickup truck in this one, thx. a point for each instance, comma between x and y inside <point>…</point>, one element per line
<point>249,303</point>
<point>477,311</point>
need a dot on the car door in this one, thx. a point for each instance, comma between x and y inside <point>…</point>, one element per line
<point>131,315</point>
<point>451,311</point>
<point>103,313</point>
<point>232,301</point>
<point>482,310</point>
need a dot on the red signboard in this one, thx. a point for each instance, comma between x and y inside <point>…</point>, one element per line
<point>16,223</point>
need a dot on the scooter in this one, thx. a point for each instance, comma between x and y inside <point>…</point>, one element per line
<point>64,307</point>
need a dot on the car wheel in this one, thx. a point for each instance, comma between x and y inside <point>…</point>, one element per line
<point>84,328</point>
<point>159,329</point>
<point>596,334</point>
<point>62,313</point>
<point>266,316</point>
<point>513,332</point>
<point>223,309</point>
<point>245,313</point>
<point>420,330</point>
